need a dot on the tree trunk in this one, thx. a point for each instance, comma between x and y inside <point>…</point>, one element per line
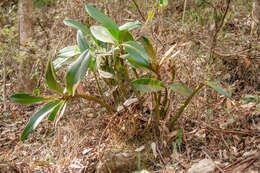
<point>25,27</point>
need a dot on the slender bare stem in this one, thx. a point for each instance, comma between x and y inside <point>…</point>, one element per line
<point>97,100</point>
<point>157,110</point>
<point>185,104</point>
<point>138,9</point>
<point>217,29</point>
<point>184,10</point>
<point>99,88</point>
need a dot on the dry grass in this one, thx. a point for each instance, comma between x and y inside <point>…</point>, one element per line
<point>211,124</point>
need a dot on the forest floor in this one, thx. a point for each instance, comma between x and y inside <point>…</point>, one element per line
<point>214,133</point>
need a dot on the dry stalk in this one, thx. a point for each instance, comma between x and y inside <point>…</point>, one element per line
<point>184,10</point>
<point>139,11</point>
<point>4,82</point>
<point>217,29</point>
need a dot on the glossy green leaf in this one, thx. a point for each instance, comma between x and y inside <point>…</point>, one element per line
<point>130,25</point>
<point>105,21</point>
<point>82,42</point>
<point>66,56</point>
<point>57,63</point>
<point>125,36</point>
<point>54,112</point>
<point>61,113</point>
<point>26,98</point>
<point>69,51</point>
<point>219,90</point>
<point>37,118</point>
<point>149,49</point>
<point>181,89</point>
<point>102,34</point>
<point>147,85</point>
<point>77,25</point>
<point>50,77</point>
<point>77,71</point>
<point>137,55</point>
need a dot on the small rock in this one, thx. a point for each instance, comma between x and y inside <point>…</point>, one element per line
<point>117,161</point>
<point>204,166</point>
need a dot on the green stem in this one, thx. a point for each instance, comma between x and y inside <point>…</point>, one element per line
<point>160,92</point>
<point>99,88</point>
<point>177,116</point>
<point>135,73</point>
<point>97,100</point>
<point>157,111</point>
<point>165,101</point>
<point>122,89</point>
<point>119,71</point>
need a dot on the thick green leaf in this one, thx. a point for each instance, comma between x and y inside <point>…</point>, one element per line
<point>215,87</point>
<point>149,49</point>
<point>54,112</point>
<point>102,34</point>
<point>57,63</point>
<point>147,85</point>
<point>77,71</point>
<point>137,55</point>
<point>65,56</point>
<point>26,98</point>
<point>82,42</point>
<point>130,25</point>
<point>61,112</point>
<point>69,51</point>
<point>75,24</point>
<point>181,89</point>
<point>106,21</point>
<point>51,80</point>
<point>125,36</point>
<point>37,118</point>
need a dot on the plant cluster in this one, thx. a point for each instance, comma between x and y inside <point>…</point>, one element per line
<point>109,52</point>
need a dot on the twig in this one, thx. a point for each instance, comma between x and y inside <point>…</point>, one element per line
<point>251,159</point>
<point>139,11</point>
<point>226,131</point>
<point>218,28</point>
<point>97,100</point>
<point>235,54</point>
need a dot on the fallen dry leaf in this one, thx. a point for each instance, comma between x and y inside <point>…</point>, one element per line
<point>229,104</point>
